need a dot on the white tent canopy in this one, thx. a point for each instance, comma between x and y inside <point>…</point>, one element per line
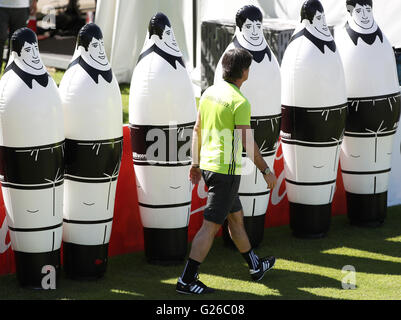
<point>124,23</point>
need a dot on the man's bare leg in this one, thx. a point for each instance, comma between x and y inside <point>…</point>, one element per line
<point>203,240</point>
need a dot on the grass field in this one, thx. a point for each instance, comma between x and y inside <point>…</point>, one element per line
<point>305,269</point>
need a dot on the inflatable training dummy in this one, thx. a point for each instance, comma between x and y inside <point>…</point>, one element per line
<point>314,108</point>
<point>32,162</point>
<point>263,90</point>
<point>93,128</point>
<point>162,113</point>
<point>373,113</point>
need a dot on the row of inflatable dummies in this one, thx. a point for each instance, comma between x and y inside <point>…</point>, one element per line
<point>61,148</point>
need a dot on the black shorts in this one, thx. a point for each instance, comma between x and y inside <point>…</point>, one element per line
<point>222,196</point>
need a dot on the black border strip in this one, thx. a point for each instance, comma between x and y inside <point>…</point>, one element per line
<point>35,229</point>
<point>366,172</point>
<point>88,221</point>
<point>164,206</point>
<point>310,183</point>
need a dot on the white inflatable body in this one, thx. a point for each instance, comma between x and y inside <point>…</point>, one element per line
<point>263,90</point>
<point>162,113</point>
<point>314,106</point>
<point>32,163</point>
<point>93,128</point>
<point>374,111</point>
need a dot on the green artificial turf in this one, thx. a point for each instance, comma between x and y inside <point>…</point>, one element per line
<point>305,269</point>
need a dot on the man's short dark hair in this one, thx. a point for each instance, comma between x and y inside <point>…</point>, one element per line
<point>248,12</point>
<point>87,33</point>
<point>19,38</point>
<point>234,63</point>
<point>309,9</point>
<point>353,3</point>
<point>157,24</point>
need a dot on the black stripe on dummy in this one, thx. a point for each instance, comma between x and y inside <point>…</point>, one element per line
<point>320,183</point>
<point>85,262</point>
<point>255,194</point>
<point>36,167</point>
<point>29,267</point>
<point>266,131</point>
<point>258,56</point>
<point>164,206</point>
<point>161,145</point>
<point>88,221</point>
<point>366,210</point>
<point>35,229</point>
<point>314,125</point>
<point>371,116</point>
<point>366,172</point>
<point>93,161</point>
<point>165,246</point>
<point>309,221</point>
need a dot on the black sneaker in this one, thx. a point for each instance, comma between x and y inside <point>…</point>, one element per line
<point>265,265</point>
<point>195,287</point>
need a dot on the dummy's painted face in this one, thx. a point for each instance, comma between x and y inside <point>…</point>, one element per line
<point>168,39</point>
<point>96,54</point>
<point>167,42</point>
<point>320,25</point>
<point>30,56</point>
<point>252,32</point>
<point>363,16</point>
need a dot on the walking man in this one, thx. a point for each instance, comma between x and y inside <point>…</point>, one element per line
<point>221,130</point>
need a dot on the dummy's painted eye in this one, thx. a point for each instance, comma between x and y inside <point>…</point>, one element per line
<point>319,18</point>
<point>27,49</point>
<point>358,10</point>
<point>248,26</point>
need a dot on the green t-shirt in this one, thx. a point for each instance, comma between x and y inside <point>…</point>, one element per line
<point>222,107</point>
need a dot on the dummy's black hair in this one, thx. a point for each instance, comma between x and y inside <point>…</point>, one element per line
<point>248,12</point>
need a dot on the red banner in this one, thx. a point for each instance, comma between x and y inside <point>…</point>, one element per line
<point>127,233</point>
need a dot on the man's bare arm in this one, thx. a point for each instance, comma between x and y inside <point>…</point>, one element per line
<point>195,172</point>
<point>253,152</point>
